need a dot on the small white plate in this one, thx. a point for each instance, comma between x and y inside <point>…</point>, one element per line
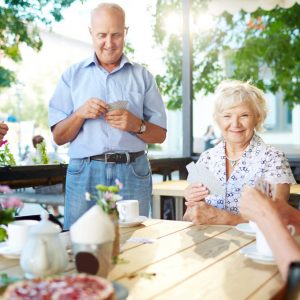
<point>134,222</point>
<point>8,252</point>
<point>245,228</point>
<point>121,292</point>
<point>251,252</point>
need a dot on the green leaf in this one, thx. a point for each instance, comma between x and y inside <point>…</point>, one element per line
<point>102,188</point>
<point>252,44</point>
<point>113,189</point>
<point>3,234</point>
<point>18,25</point>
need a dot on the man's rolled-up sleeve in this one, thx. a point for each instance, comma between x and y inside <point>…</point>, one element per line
<point>154,108</point>
<point>61,104</point>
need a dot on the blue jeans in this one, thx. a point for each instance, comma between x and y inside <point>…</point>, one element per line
<point>84,174</point>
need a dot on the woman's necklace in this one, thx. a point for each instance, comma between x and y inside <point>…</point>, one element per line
<point>232,162</point>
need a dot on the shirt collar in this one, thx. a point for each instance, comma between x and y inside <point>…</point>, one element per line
<point>93,60</point>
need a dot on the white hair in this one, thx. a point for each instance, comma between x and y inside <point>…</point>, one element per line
<point>231,93</point>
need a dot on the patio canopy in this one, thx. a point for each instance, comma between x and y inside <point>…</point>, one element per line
<point>215,7</point>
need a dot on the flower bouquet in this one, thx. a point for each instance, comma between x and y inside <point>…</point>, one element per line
<point>42,157</point>
<point>8,208</point>
<point>106,199</point>
<point>98,247</point>
<point>6,157</point>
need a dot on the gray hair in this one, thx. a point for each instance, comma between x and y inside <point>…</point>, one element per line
<point>109,6</point>
<point>231,93</point>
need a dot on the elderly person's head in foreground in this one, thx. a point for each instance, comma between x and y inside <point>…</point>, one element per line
<point>37,139</point>
<point>240,109</point>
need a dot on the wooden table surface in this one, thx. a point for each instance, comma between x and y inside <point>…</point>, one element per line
<point>176,188</point>
<point>185,262</point>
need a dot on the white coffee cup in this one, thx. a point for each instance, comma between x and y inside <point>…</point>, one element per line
<point>262,245</point>
<point>128,210</point>
<point>17,233</point>
<point>253,225</point>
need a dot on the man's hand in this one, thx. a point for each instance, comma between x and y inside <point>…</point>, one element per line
<point>3,131</point>
<point>92,109</point>
<point>123,119</point>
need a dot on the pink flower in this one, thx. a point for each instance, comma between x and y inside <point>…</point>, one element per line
<point>3,143</point>
<point>108,195</point>
<point>5,189</point>
<point>12,202</point>
<point>119,183</point>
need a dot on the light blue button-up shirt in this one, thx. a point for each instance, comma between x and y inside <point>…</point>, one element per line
<point>87,79</point>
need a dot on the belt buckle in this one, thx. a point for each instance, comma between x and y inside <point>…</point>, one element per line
<point>127,157</point>
<point>108,156</point>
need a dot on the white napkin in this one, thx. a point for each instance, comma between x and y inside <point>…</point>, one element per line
<point>93,227</point>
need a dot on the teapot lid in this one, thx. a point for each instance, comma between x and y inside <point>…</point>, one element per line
<point>44,226</point>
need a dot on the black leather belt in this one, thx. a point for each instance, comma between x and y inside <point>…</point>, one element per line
<point>118,158</point>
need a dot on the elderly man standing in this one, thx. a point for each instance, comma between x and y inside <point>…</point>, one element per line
<point>106,142</point>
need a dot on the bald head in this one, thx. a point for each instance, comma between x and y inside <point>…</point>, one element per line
<point>111,8</point>
<point>108,32</point>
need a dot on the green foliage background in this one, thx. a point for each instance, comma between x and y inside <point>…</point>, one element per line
<point>19,21</point>
<point>254,43</point>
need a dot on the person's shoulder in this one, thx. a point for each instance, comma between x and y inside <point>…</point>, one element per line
<point>211,152</point>
<point>138,67</point>
<point>270,150</point>
<point>75,67</point>
<point>274,151</point>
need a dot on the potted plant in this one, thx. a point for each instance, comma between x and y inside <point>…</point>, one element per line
<point>8,208</point>
<point>107,197</point>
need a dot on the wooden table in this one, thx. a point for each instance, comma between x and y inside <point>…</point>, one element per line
<point>172,188</point>
<point>186,262</point>
<point>36,175</point>
<point>295,189</point>
<point>175,188</point>
<point>30,196</point>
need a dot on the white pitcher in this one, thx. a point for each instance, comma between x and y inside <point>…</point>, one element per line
<point>43,253</point>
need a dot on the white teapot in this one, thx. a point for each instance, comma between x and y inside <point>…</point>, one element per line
<point>43,253</point>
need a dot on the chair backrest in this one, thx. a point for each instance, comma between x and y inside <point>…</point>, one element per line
<point>294,200</point>
<point>293,282</point>
<point>291,290</point>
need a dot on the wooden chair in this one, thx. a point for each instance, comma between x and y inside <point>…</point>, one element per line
<point>295,200</point>
<point>293,282</point>
<point>291,290</point>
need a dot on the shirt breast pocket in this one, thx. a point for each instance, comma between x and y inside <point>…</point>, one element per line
<point>135,102</point>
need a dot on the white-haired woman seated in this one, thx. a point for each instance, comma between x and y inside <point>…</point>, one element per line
<point>240,159</point>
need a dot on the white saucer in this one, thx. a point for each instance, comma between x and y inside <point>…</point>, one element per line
<point>251,252</point>
<point>134,222</point>
<point>245,228</point>
<point>8,252</point>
